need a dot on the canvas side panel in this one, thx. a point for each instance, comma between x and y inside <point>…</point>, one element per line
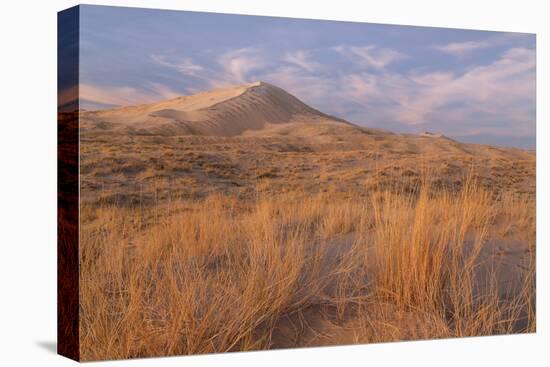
<point>67,184</point>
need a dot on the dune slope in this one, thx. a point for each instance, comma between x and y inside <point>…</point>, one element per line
<point>219,112</point>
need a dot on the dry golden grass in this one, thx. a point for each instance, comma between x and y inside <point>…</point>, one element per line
<point>218,273</point>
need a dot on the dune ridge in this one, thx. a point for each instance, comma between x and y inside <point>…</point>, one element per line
<point>220,112</point>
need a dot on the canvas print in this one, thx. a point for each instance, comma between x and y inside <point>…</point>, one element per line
<point>235,183</point>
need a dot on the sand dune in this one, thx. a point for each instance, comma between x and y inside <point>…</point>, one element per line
<point>259,113</point>
<point>220,112</point>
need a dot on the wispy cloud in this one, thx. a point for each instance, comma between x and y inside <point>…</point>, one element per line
<point>462,48</point>
<point>502,89</point>
<point>232,67</point>
<point>302,59</point>
<point>370,56</point>
<point>185,66</point>
<point>468,48</point>
<point>237,65</point>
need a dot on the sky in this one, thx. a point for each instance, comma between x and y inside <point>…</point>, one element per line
<point>474,86</point>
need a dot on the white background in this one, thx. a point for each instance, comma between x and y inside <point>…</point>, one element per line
<point>28,181</point>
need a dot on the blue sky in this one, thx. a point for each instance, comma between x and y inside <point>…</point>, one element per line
<point>476,86</point>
